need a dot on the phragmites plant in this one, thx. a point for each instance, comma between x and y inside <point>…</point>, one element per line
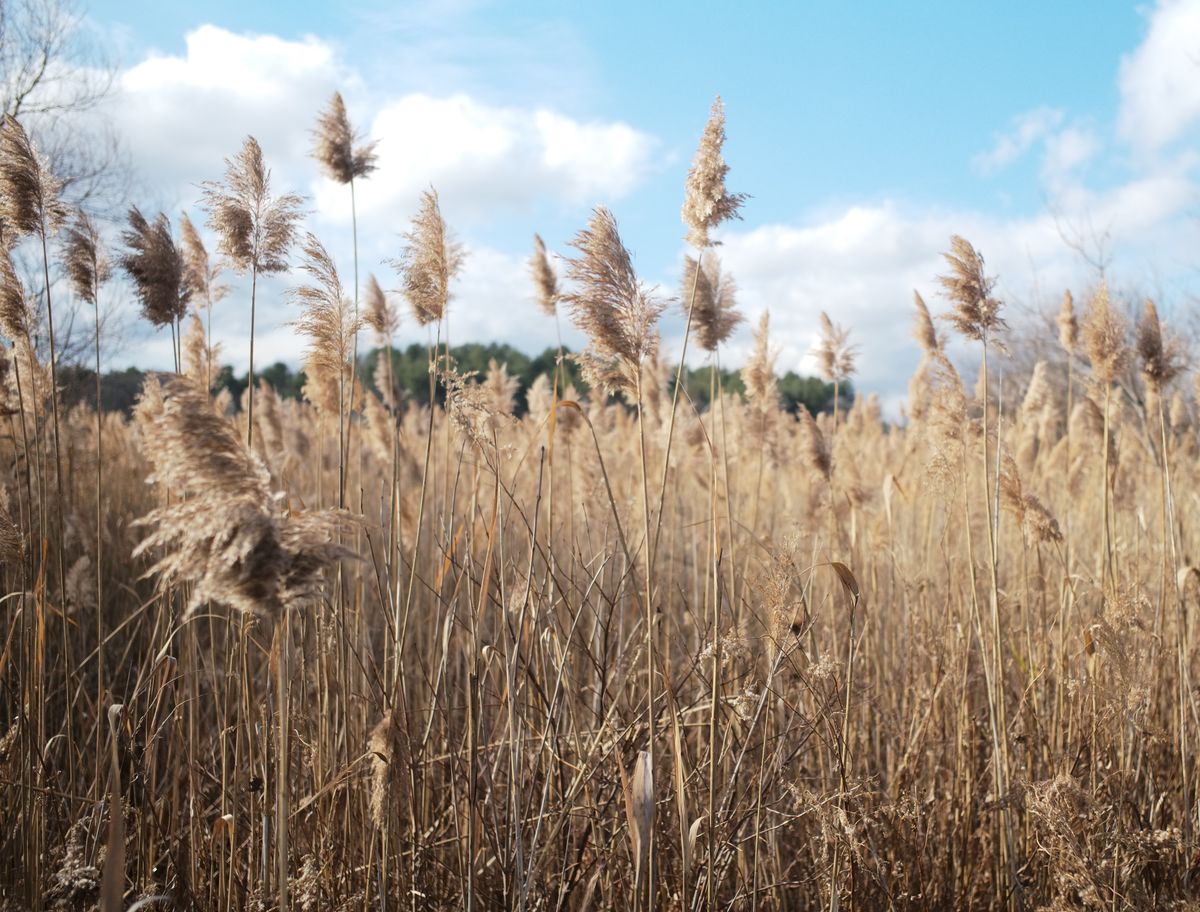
<point>330,327</point>
<point>254,228</point>
<point>611,305</point>
<point>835,359</point>
<point>1104,337</point>
<point>1068,326</point>
<point>337,147</point>
<point>428,262</point>
<point>976,312</point>
<point>15,318</point>
<point>29,192</point>
<point>88,268</point>
<point>819,656</point>
<point>84,259</point>
<point>545,279</point>
<point>1160,355</point>
<point>230,536</point>
<point>156,266</point>
<point>706,202</point>
<point>715,312</point>
<point>380,315</point>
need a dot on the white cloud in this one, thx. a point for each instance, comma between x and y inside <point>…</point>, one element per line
<point>1027,129</point>
<point>483,158</point>
<point>1160,80</point>
<point>181,115</point>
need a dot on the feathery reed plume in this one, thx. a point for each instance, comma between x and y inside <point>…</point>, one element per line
<point>429,261</point>
<point>199,358</point>
<point>816,449</point>
<point>1037,393</point>
<point>156,267</point>
<point>1104,337</point>
<point>381,748</point>
<point>758,374</point>
<point>714,311</point>
<point>381,315</point>
<point>200,271</point>
<point>835,354</point>
<point>231,537</point>
<point>15,317</point>
<point>976,312</point>
<point>29,192</point>
<point>501,388</point>
<point>254,229</point>
<point>1068,326</point>
<point>545,279</point>
<point>336,147</point>
<point>1161,355</point>
<point>609,304</point>
<point>1027,509</point>
<point>329,324</point>
<point>706,202</point>
<point>923,329</point>
<point>87,267</point>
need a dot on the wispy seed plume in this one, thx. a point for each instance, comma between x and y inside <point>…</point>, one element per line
<point>428,262</point>
<point>706,202</point>
<point>29,192</point>
<point>714,313</point>
<point>336,146</point>
<point>611,306</point>
<point>545,279</point>
<point>254,228</point>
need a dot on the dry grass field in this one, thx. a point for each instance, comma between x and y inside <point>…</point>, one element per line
<point>348,652</point>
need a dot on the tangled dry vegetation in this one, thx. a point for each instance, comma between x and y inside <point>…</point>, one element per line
<point>349,653</point>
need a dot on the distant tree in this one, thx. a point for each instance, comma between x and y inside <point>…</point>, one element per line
<point>53,78</point>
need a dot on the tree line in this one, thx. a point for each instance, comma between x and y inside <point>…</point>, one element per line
<point>410,368</point>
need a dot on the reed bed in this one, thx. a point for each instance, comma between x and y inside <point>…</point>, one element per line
<point>350,653</point>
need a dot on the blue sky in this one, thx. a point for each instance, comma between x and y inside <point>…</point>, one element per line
<point>865,133</point>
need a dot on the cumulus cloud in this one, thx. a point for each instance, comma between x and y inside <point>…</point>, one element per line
<point>181,115</point>
<point>1159,81</point>
<point>483,158</point>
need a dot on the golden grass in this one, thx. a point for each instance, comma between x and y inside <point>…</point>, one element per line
<point>827,662</point>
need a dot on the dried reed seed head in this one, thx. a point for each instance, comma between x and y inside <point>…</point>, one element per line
<point>29,193</point>
<point>199,359</point>
<point>336,148</point>
<point>835,354</point>
<point>87,268</point>
<point>923,329</point>
<point>762,392</point>
<point>156,266</point>
<point>1104,332</point>
<point>230,537</point>
<point>714,309</point>
<point>15,317</point>
<point>197,269</point>
<point>328,322</point>
<point>976,312</point>
<point>1068,326</point>
<point>816,449</point>
<point>254,229</point>
<point>501,388</point>
<point>1038,393</point>
<point>706,202</point>
<point>611,306</point>
<point>381,747</point>
<point>429,262</point>
<point>379,314</point>
<point>545,279</point>
<point>1161,354</point>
